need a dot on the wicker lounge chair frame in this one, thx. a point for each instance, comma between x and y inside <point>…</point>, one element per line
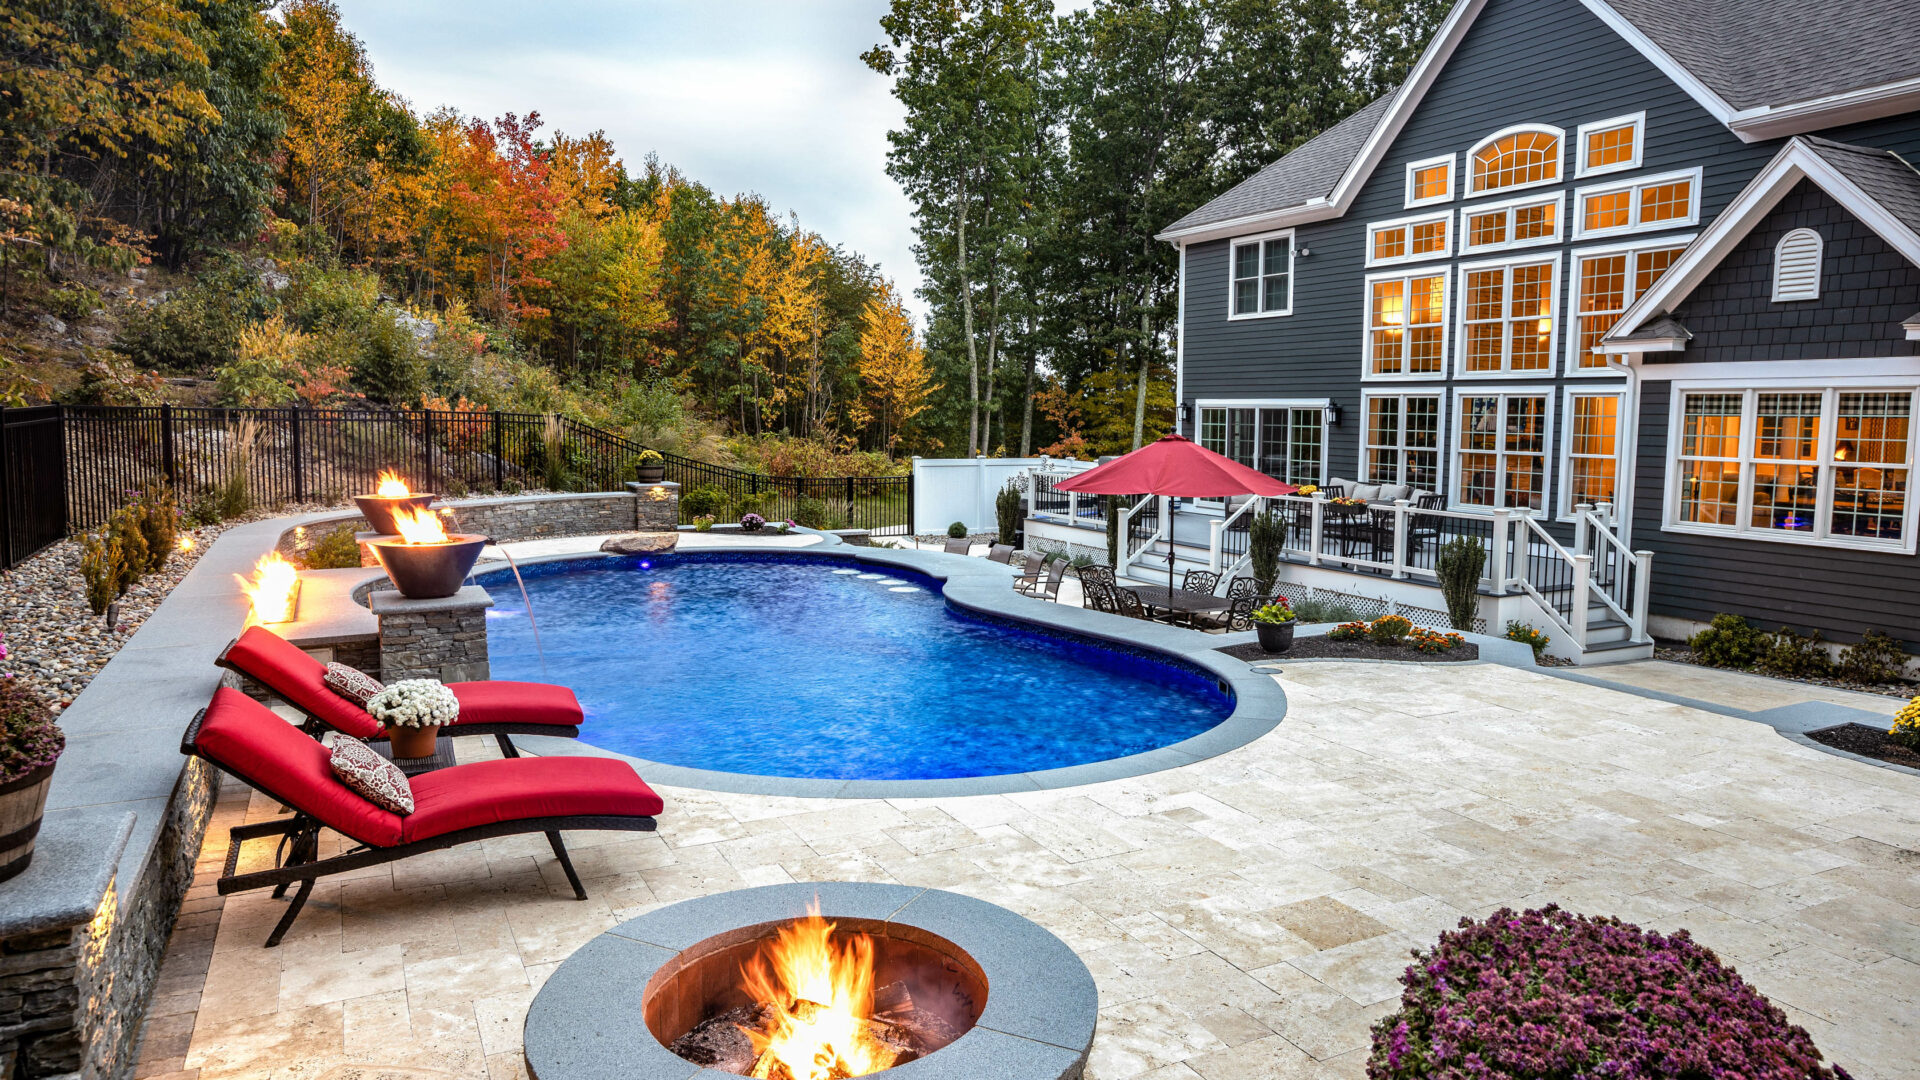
<point>297,861</point>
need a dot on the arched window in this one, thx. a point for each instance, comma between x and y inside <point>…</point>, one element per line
<point>1796,266</point>
<point>1520,157</point>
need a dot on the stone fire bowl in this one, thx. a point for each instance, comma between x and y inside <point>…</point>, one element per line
<point>586,1022</point>
<point>429,571</point>
<point>378,509</point>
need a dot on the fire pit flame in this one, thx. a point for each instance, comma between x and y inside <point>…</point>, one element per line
<point>821,997</point>
<point>391,486</point>
<point>272,589</point>
<point>419,526</point>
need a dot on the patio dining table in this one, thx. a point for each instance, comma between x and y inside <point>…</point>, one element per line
<point>1178,601</point>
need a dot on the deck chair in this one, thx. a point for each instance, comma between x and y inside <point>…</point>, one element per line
<point>1000,553</point>
<point>452,806</point>
<point>495,707</point>
<point>959,547</point>
<point>1030,574</point>
<point>1049,587</point>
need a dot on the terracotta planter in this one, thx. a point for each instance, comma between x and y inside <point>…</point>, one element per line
<point>412,742</point>
<point>378,509</point>
<point>1275,637</point>
<point>21,803</point>
<point>429,571</point>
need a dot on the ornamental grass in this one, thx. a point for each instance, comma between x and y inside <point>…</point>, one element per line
<point>1549,995</point>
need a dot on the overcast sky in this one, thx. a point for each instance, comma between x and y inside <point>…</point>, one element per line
<point>767,96</point>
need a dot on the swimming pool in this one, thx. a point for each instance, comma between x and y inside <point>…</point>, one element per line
<point>800,666</point>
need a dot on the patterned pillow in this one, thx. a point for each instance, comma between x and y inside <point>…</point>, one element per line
<point>378,780</point>
<point>352,683</point>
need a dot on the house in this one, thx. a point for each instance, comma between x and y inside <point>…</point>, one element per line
<point>1655,258</point>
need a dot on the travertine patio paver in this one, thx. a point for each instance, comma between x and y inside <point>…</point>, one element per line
<point>1245,917</point>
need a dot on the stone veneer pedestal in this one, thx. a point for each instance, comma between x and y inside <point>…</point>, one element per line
<point>444,639</point>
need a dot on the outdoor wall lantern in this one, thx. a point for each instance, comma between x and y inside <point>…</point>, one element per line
<point>1331,414</point>
<point>1186,413</point>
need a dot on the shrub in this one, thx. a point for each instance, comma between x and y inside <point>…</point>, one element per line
<point>709,501</point>
<point>124,527</point>
<point>1550,995</point>
<point>1432,641</point>
<point>29,739</point>
<point>1006,513</point>
<point>1528,634</point>
<point>197,328</point>
<point>1730,642</point>
<point>1390,629</point>
<point>160,523</point>
<point>752,522</point>
<point>1906,725</point>
<point>1348,631</point>
<point>337,550</point>
<point>1266,534</point>
<point>1313,609</point>
<point>234,497</point>
<point>1795,657</point>
<point>703,523</point>
<point>100,560</point>
<point>810,513</point>
<point>1878,658</point>
<point>1458,568</point>
<point>957,530</point>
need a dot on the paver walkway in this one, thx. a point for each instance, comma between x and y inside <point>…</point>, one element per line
<point>1245,917</point>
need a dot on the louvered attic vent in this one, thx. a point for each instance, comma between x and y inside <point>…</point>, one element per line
<point>1796,266</point>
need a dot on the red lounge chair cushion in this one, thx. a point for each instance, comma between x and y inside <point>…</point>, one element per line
<point>512,789</point>
<point>292,674</point>
<point>498,701</point>
<point>241,734</point>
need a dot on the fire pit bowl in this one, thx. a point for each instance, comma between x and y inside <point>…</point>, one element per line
<point>1021,1004</point>
<point>429,571</point>
<point>378,509</point>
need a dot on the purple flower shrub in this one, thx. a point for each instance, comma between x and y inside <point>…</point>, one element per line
<point>29,738</point>
<point>752,522</point>
<point>1549,995</point>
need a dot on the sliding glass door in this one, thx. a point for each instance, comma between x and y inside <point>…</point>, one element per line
<point>1287,442</point>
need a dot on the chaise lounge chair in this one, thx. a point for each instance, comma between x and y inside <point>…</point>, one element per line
<point>452,806</point>
<point>494,707</point>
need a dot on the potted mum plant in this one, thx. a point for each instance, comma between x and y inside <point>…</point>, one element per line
<point>413,711</point>
<point>752,522</point>
<point>1273,621</point>
<point>651,467</point>
<point>29,745</point>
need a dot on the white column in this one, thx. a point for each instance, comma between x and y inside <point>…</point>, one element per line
<point>1400,538</point>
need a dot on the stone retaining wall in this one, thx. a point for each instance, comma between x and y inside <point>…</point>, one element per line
<point>518,517</point>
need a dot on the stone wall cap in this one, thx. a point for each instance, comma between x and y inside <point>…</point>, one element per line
<point>390,602</point>
<point>74,859</point>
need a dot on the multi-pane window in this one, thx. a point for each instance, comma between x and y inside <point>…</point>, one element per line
<point>1407,324</point>
<point>1516,160</point>
<point>1604,285</point>
<point>1610,145</point>
<point>1500,456</point>
<point>1263,276</point>
<point>1509,225</point>
<point>1507,317</point>
<point>1284,442</point>
<point>1659,202</point>
<point>1593,451</point>
<point>1403,441</point>
<point>1822,465</point>
<point>1430,181</point>
<point>1410,240</point>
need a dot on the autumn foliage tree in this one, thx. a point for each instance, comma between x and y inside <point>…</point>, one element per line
<point>894,375</point>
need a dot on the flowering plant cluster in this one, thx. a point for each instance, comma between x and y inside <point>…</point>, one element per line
<point>29,739</point>
<point>1308,489</point>
<point>1551,995</point>
<point>1527,634</point>
<point>752,522</point>
<point>1390,629</point>
<point>415,703</point>
<point>703,523</point>
<point>785,527</point>
<point>1274,612</point>
<point>1346,501</point>
<point>1348,631</point>
<point>649,457</point>
<point>1906,725</point>
<point>1433,641</point>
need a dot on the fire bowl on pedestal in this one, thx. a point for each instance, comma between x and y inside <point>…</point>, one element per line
<point>1022,1004</point>
<point>429,571</point>
<point>379,509</point>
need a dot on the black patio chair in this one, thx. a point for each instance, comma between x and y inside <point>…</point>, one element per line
<point>1100,596</point>
<point>1242,585</point>
<point>1127,602</point>
<point>1096,573</point>
<point>1200,582</point>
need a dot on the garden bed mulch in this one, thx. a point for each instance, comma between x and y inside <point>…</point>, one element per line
<point>1867,742</point>
<point>1319,648</point>
<point>1682,654</point>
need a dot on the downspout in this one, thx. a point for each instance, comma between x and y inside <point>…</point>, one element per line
<point>1180,343</point>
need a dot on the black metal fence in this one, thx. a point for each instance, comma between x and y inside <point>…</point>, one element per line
<point>64,469</point>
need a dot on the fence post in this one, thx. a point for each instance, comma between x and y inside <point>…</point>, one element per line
<point>166,445</point>
<point>426,446</point>
<point>1400,538</point>
<point>1577,616</point>
<point>1580,523</point>
<point>499,453</point>
<point>1502,537</point>
<point>850,523</point>
<point>6,503</point>
<point>913,485</point>
<point>1314,533</point>
<point>299,459</point>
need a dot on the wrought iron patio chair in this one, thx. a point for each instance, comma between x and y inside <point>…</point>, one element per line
<point>1128,603</point>
<point>1000,553</point>
<point>959,547</point>
<point>1200,582</point>
<point>1100,596</point>
<point>1242,585</point>
<point>1102,574</point>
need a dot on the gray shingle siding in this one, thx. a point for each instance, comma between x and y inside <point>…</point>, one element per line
<point>1866,290</point>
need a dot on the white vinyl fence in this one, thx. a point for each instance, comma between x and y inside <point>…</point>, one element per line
<point>946,490</point>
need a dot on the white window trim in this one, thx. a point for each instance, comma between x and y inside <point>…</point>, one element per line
<point>1633,225</point>
<point>1539,390</point>
<point>1233,250</point>
<point>1639,122</point>
<point>1507,208</point>
<point>1439,394</point>
<point>1553,315</point>
<point>1563,499</point>
<point>1819,265</point>
<point>1559,172</point>
<point>1453,181</point>
<point>1626,247</point>
<point>1218,506</point>
<point>1829,388</point>
<point>1439,270</point>
<point>1408,223</point>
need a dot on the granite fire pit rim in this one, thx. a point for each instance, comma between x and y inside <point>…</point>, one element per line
<point>1038,1022</point>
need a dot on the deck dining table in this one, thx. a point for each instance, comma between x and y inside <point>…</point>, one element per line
<point>1179,601</point>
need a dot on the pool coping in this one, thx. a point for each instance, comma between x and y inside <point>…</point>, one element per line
<point>985,588</point>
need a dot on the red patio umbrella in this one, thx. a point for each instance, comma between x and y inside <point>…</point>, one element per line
<point>1176,467</point>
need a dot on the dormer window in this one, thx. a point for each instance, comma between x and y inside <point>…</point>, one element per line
<point>1796,266</point>
<point>1515,158</point>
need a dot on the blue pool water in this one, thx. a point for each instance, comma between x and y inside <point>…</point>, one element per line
<point>781,666</point>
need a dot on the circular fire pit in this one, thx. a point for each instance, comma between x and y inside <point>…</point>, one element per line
<point>958,987</point>
<point>432,570</point>
<point>379,510</point>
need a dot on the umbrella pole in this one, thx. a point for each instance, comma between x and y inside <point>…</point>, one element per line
<point>1166,505</point>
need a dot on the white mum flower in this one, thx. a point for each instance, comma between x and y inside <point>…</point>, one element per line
<point>415,703</point>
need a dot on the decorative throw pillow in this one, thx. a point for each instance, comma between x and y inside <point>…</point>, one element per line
<point>378,780</point>
<point>352,683</point>
<point>1369,492</point>
<point>1394,492</point>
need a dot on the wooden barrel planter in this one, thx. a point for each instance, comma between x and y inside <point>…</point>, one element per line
<point>21,803</point>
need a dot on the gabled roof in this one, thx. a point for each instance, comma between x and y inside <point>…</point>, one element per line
<point>1875,186</point>
<point>1306,175</point>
